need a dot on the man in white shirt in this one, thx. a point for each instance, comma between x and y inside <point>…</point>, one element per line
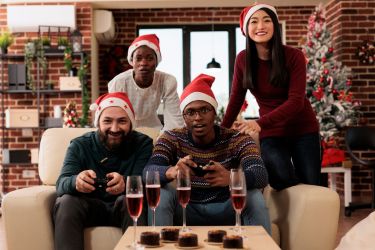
<point>147,87</point>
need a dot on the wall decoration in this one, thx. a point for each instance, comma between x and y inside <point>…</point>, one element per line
<point>366,52</point>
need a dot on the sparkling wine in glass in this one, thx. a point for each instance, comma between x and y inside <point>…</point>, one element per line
<point>134,202</point>
<point>183,194</point>
<point>238,194</point>
<point>153,192</point>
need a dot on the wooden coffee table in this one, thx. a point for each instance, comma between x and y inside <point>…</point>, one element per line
<point>256,238</point>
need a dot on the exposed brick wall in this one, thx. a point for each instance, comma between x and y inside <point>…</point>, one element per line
<point>350,23</point>
<point>13,137</point>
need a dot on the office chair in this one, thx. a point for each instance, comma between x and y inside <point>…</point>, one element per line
<point>361,139</point>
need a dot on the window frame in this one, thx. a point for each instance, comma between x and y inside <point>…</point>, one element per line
<point>186,30</point>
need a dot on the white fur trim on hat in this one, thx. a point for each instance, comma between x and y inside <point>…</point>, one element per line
<point>198,96</point>
<point>112,102</point>
<point>138,44</point>
<point>252,11</point>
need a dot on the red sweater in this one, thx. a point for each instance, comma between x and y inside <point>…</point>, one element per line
<point>282,111</point>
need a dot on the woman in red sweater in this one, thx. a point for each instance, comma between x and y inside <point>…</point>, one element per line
<point>276,75</point>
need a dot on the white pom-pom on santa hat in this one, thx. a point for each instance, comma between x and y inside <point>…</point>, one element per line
<point>249,11</point>
<point>115,99</point>
<point>150,40</point>
<point>199,90</point>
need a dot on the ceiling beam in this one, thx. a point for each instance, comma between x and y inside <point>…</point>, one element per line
<point>140,4</point>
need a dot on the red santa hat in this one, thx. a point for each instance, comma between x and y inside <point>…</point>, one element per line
<point>150,40</point>
<point>249,11</point>
<point>198,90</point>
<point>115,99</point>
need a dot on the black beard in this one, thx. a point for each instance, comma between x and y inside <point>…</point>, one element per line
<point>103,136</point>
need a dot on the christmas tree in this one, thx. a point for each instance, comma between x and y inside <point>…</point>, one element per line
<point>328,81</point>
<point>70,116</point>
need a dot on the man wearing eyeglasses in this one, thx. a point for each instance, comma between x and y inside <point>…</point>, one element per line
<point>208,152</point>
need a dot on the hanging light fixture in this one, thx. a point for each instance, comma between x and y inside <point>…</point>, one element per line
<point>213,64</point>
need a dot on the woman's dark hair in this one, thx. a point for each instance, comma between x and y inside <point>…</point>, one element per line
<point>279,76</point>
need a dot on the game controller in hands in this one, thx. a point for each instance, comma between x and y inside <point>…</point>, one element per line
<point>201,170</point>
<point>101,183</point>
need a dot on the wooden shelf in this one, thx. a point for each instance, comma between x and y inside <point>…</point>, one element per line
<point>12,56</point>
<point>21,163</point>
<point>42,91</point>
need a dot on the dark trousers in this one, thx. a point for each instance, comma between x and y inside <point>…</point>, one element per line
<point>72,214</point>
<point>292,160</point>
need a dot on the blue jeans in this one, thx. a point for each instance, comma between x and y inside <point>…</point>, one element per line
<point>292,160</point>
<point>169,212</point>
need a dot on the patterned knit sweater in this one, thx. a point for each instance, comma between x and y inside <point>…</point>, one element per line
<point>230,148</point>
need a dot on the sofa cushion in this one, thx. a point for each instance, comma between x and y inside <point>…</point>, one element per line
<point>52,154</point>
<point>102,238</point>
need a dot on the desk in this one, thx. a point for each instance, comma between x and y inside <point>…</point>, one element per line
<point>257,238</point>
<point>346,169</point>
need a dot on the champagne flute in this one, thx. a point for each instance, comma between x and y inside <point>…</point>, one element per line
<point>153,192</point>
<point>183,193</point>
<point>134,202</point>
<point>238,194</point>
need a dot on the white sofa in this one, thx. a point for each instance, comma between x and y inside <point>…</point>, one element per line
<point>304,217</point>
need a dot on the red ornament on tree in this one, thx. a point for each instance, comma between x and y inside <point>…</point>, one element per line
<point>319,93</point>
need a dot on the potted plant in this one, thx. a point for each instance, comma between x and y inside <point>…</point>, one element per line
<point>46,43</point>
<point>36,53</point>
<point>62,43</point>
<point>30,48</point>
<point>6,39</point>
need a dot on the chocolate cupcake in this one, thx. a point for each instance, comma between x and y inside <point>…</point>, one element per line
<point>150,238</point>
<point>232,241</point>
<point>216,235</point>
<point>188,240</point>
<point>169,234</point>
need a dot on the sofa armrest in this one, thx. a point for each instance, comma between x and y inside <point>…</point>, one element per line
<point>27,218</point>
<point>306,215</point>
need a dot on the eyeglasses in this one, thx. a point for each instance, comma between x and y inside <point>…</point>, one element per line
<point>191,113</point>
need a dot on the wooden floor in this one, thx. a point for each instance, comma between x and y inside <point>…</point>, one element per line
<point>345,223</point>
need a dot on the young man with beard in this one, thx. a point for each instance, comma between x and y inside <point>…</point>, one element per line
<point>202,142</point>
<point>147,87</point>
<point>111,153</point>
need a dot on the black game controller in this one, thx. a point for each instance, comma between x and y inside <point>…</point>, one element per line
<point>101,183</point>
<point>200,170</point>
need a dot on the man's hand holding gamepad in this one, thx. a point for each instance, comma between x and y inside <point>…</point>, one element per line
<point>116,183</point>
<point>185,164</point>
<point>218,175</point>
<point>85,181</point>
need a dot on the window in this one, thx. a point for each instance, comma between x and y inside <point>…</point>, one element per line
<point>252,110</point>
<point>171,52</point>
<point>186,50</point>
<point>204,45</point>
